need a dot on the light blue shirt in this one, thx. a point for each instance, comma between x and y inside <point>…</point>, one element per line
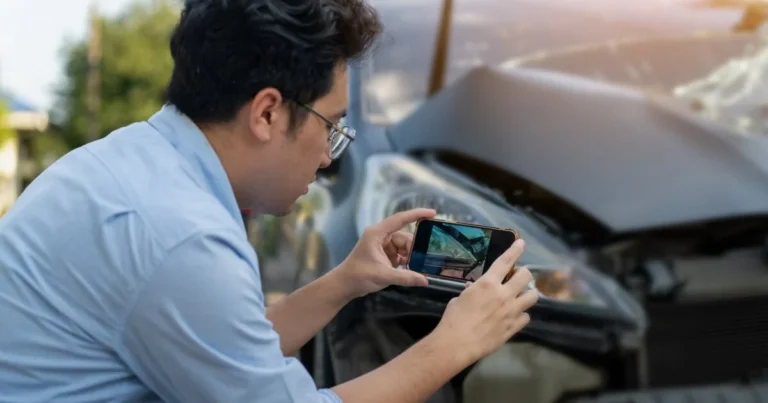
<point>126,275</point>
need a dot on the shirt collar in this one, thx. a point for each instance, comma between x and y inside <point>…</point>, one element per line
<point>191,143</point>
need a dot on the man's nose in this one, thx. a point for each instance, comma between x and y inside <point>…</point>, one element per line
<point>326,159</point>
<point>326,156</point>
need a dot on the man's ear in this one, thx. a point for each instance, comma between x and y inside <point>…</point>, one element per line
<point>264,114</point>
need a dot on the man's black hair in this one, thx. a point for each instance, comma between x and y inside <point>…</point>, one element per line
<point>226,51</point>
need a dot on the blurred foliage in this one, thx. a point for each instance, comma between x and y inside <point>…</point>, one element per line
<point>135,67</point>
<point>269,241</point>
<point>46,147</point>
<point>6,133</point>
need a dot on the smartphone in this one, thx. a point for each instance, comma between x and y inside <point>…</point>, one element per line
<point>451,253</point>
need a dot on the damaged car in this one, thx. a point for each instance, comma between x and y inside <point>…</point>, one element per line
<point>643,199</point>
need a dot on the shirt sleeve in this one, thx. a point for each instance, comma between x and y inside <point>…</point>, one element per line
<point>198,331</point>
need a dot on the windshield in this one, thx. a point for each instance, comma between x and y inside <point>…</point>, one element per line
<point>676,46</point>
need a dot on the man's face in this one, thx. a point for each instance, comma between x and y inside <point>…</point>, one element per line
<point>299,155</point>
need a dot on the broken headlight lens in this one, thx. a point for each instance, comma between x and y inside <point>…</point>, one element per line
<point>394,183</point>
<point>564,284</point>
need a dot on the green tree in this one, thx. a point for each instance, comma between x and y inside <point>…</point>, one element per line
<point>6,133</point>
<point>135,67</point>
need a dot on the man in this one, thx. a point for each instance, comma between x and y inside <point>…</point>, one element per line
<point>125,272</point>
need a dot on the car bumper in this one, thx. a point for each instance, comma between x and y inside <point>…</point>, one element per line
<point>727,393</point>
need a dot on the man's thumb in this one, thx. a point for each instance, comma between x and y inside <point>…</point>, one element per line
<point>409,278</point>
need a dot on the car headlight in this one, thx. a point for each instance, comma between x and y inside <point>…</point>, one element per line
<point>394,183</point>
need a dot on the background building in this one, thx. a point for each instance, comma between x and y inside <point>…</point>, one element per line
<point>17,168</point>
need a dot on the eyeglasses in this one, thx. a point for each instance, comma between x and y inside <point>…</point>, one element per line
<point>340,134</point>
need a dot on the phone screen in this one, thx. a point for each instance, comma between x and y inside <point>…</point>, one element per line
<point>460,252</point>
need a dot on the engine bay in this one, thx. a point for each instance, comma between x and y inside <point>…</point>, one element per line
<point>699,260</point>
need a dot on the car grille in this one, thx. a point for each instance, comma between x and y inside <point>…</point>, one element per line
<point>707,342</point>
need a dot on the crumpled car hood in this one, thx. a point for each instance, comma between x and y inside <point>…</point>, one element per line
<point>630,160</point>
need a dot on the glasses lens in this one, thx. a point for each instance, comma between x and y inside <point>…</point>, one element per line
<point>339,143</point>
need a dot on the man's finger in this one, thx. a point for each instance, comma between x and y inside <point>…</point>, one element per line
<point>519,281</point>
<point>511,272</point>
<point>506,262</point>
<point>390,250</point>
<point>408,278</point>
<point>520,323</point>
<point>527,300</point>
<point>397,221</point>
<point>402,241</point>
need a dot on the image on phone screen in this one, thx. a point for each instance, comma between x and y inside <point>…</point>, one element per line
<point>456,251</point>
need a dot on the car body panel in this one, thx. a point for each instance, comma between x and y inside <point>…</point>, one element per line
<point>728,393</point>
<point>650,62</point>
<point>315,238</point>
<point>627,161</point>
<point>495,31</point>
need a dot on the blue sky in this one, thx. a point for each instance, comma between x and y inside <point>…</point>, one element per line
<point>32,33</point>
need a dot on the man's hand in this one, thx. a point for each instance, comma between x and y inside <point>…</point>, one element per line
<point>479,321</point>
<point>488,312</point>
<point>372,264</point>
<point>370,267</point>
